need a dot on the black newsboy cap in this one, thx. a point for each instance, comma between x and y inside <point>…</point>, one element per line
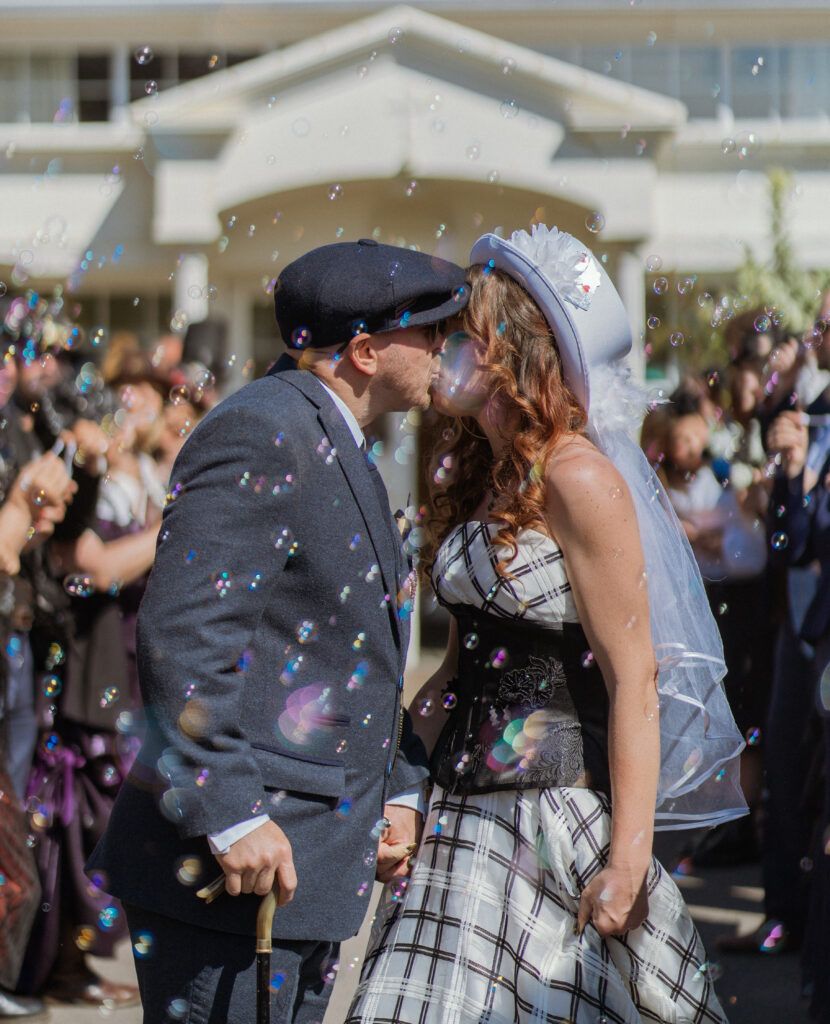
<point>337,291</point>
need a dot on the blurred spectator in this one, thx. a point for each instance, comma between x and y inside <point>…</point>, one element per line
<point>729,542</point>
<point>33,497</point>
<point>168,354</point>
<point>122,354</point>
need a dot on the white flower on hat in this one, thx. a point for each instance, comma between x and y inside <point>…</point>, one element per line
<point>564,261</point>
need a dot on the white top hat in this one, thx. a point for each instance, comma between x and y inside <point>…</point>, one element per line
<point>570,286</point>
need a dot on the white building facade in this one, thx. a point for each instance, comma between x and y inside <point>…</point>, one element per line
<point>165,160</point>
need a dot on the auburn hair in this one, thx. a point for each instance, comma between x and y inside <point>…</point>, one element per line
<point>526,378</point>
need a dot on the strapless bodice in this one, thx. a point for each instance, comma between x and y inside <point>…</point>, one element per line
<point>528,707</point>
<point>537,591</point>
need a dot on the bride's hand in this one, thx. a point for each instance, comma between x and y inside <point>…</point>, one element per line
<point>614,901</point>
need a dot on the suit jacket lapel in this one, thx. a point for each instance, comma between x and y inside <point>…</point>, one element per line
<point>380,525</point>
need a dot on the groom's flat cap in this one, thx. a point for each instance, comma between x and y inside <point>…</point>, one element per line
<point>332,293</point>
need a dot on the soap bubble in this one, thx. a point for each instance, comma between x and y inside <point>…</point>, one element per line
<point>52,686</point>
<point>177,1009</point>
<point>498,657</point>
<point>188,869</point>
<point>307,632</point>
<point>84,938</point>
<point>143,945</point>
<point>143,55</point>
<point>78,585</point>
<point>595,222</point>
<point>108,918</point>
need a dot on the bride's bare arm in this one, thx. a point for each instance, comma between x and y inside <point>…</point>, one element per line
<point>592,516</point>
<point>428,726</point>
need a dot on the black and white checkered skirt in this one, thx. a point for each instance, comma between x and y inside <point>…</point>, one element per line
<point>484,931</point>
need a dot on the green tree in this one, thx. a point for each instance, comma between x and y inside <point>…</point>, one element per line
<point>786,290</point>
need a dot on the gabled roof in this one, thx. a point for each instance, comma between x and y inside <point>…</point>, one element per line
<point>581,99</point>
<point>400,93</point>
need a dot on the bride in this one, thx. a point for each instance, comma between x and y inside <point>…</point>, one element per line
<point>579,705</point>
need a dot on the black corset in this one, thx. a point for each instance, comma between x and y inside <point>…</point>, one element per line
<point>528,710</point>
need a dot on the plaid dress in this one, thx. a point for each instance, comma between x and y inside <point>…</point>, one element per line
<point>484,929</point>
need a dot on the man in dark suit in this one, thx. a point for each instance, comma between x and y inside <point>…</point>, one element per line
<point>271,642</point>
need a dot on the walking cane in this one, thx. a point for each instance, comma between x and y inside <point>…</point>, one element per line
<point>264,920</point>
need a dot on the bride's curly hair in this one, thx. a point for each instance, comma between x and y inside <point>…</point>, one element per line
<point>528,383</point>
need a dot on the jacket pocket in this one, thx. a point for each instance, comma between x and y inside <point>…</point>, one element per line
<point>299,774</point>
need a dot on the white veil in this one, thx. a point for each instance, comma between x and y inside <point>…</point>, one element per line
<point>699,741</point>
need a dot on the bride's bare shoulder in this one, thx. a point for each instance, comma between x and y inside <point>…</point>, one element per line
<point>578,476</point>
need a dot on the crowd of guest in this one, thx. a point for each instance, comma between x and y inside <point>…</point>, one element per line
<point>744,454</point>
<point>88,436</point>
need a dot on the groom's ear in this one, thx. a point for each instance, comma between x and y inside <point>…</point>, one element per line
<point>363,354</point>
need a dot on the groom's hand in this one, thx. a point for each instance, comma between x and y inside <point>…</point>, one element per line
<point>398,842</point>
<point>253,863</point>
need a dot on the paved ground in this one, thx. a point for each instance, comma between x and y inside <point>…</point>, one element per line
<point>754,989</point>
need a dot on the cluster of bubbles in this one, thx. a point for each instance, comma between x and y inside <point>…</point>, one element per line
<point>743,145</point>
<point>307,710</point>
<point>516,746</point>
<point>109,696</point>
<point>358,677</point>
<point>79,585</point>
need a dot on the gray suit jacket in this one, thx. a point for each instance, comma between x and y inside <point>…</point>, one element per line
<point>271,653</point>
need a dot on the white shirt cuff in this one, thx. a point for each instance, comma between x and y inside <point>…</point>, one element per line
<point>413,798</point>
<point>221,842</point>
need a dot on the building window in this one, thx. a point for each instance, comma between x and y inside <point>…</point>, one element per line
<point>93,73</point>
<point>755,81</point>
<point>805,81</point>
<point>171,68</point>
<point>37,87</point>
<point>763,80</point>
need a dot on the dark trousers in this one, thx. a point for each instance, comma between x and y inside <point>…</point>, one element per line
<point>816,955</point>
<point>197,976</point>
<point>787,757</point>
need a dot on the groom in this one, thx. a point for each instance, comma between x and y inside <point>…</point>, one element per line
<point>271,643</point>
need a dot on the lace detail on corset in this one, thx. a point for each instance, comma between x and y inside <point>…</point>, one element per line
<point>534,685</point>
<point>537,697</point>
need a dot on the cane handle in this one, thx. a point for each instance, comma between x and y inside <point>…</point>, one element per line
<point>265,919</point>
